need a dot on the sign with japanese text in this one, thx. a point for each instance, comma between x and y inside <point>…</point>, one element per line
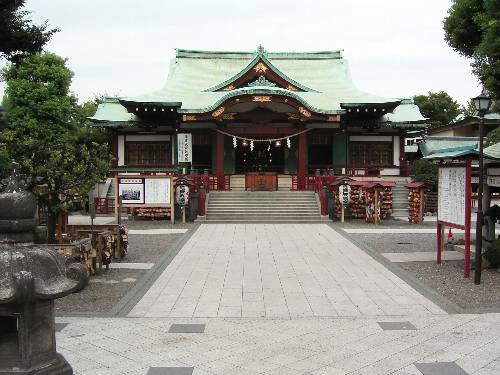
<point>184,148</point>
<point>451,195</point>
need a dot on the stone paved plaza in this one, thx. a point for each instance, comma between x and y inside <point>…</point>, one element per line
<point>281,299</point>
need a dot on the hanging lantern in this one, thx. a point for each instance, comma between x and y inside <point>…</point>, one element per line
<point>269,147</point>
<point>277,143</point>
<point>251,145</point>
<point>235,142</point>
<point>288,142</point>
<point>244,143</point>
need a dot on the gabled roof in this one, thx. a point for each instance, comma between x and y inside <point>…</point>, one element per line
<point>489,118</point>
<point>324,78</point>
<point>110,110</point>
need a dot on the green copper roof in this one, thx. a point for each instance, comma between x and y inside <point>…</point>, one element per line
<point>111,110</point>
<point>324,75</point>
<point>432,146</point>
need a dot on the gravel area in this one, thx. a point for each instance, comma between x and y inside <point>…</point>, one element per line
<point>101,294</point>
<point>398,243</point>
<point>108,287</point>
<point>389,223</point>
<point>448,280</point>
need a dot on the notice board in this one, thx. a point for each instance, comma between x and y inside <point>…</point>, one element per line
<point>451,195</point>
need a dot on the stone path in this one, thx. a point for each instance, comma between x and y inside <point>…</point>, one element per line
<point>248,299</point>
<point>277,271</point>
<point>310,346</point>
<point>403,230</point>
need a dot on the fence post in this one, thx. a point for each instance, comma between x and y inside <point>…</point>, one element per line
<point>323,200</point>
<point>202,197</point>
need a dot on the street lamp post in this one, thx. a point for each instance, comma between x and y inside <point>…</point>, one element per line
<point>482,104</point>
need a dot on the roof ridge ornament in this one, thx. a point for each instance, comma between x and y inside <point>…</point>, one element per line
<point>260,50</point>
<point>261,81</point>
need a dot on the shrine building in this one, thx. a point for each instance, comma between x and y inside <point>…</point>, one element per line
<point>291,114</point>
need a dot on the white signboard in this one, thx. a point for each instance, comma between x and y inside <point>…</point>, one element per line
<point>184,148</point>
<point>157,190</point>
<point>451,195</point>
<point>494,181</point>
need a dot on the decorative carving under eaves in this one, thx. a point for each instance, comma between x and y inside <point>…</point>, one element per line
<point>260,68</point>
<point>261,99</point>
<point>261,81</point>
<point>293,116</point>
<point>333,118</point>
<point>188,118</point>
<point>304,112</point>
<point>292,88</point>
<point>229,88</point>
<point>219,111</point>
<point>229,116</point>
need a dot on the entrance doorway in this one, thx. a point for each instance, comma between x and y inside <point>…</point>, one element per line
<point>265,157</point>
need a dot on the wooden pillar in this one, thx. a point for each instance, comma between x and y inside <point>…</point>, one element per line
<point>220,161</point>
<point>302,162</point>
<point>402,156</point>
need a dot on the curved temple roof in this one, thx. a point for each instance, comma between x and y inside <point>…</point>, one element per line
<point>198,82</point>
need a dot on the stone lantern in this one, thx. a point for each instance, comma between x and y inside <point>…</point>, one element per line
<point>31,277</point>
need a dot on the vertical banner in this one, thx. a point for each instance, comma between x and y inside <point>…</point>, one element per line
<point>184,148</point>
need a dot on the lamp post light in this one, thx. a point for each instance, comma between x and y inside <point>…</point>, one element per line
<point>482,104</point>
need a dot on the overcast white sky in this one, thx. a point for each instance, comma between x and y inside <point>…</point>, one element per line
<point>395,47</point>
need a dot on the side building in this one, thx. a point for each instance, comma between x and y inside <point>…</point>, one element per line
<point>236,113</point>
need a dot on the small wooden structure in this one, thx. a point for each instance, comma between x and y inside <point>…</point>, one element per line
<point>416,201</point>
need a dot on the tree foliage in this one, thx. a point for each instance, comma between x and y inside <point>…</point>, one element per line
<point>48,134</point>
<point>439,107</point>
<point>472,28</point>
<point>492,137</point>
<point>426,172</point>
<point>18,36</point>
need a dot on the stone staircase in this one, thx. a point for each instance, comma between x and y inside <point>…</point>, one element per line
<point>263,206</point>
<point>400,201</point>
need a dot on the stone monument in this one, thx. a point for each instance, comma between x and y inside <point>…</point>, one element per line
<point>31,277</point>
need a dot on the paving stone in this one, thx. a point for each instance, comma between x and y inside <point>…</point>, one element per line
<point>170,371</point>
<point>440,368</point>
<point>60,326</point>
<point>187,328</point>
<point>396,326</point>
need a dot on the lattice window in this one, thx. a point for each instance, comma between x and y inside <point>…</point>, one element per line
<point>371,153</point>
<point>147,153</point>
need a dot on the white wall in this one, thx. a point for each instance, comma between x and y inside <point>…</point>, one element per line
<point>121,150</point>
<point>396,150</point>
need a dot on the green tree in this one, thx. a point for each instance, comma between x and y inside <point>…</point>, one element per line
<point>426,172</point>
<point>492,137</point>
<point>48,135</point>
<point>439,107</point>
<point>472,28</point>
<point>18,36</point>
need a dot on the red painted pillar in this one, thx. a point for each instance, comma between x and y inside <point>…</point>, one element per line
<point>220,161</point>
<point>468,193</point>
<point>402,156</point>
<point>302,162</point>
